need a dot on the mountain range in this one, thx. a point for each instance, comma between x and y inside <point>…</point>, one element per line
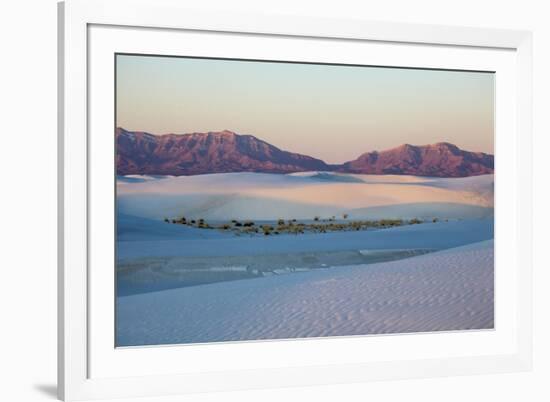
<point>226,151</point>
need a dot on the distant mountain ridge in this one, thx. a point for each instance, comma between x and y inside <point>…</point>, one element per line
<point>226,151</point>
<point>200,153</point>
<point>437,160</point>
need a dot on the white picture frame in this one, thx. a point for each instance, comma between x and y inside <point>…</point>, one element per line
<point>80,377</point>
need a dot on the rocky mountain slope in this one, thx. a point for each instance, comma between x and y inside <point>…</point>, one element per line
<point>226,151</point>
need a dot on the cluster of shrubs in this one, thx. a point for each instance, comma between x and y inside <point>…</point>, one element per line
<point>331,219</point>
<point>201,223</point>
<point>291,226</point>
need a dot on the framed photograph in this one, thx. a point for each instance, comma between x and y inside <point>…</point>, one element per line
<point>253,201</point>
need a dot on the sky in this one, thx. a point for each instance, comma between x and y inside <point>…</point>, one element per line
<point>331,112</point>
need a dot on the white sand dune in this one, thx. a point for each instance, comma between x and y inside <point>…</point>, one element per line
<point>133,228</point>
<point>304,195</point>
<point>366,178</point>
<point>423,210</point>
<point>137,178</point>
<point>446,290</point>
<point>438,236</point>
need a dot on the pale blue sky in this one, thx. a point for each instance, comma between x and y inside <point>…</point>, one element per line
<point>330,112</point>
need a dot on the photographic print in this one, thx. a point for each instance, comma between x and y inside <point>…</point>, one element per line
<point>268,200</point>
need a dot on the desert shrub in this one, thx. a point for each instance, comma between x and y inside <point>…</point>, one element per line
<point>345,216</point>
<point>238,224</point>
<point>248,224</point>
<point>316,218</point>
<point>391,222</point>
<point>295,229</point>
<point>281,222</point>
<point>435,220</point>
<point>415,221</point>
<point>249,230</point>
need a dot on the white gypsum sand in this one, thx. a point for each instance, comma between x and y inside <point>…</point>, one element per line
<point>258,196</point>
<point>224,287</point>
<point>170,240</point>
<point>446,290</point>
